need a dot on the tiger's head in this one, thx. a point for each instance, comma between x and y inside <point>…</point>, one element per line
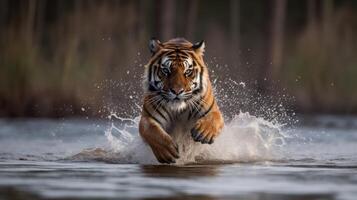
<point>176,71</point>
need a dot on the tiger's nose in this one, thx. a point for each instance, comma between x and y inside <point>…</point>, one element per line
<point>177,91</point>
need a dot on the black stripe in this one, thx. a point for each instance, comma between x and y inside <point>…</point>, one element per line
<point>190,114</point>
<point>150,71</point>
<point>165,110</point>
<point>195,111</point>
<point>151,116</point>
<point>209,109</point>
<point>155,62</point>
<point>152,88</point>
<point>201,77</point>
<point>154,73</point>
<point>198,111</point>
<point>186,54</point>
<point>172,56</point>
<point>177,54</point>
<point>159,56</point>
<point>160,113</point>
<point>200,87</point>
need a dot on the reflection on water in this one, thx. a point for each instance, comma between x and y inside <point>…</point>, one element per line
<point>52,160</point>
<point>179,171</point>
<point>11,193</point>
<point>189,197</point>
<point>83,180</point>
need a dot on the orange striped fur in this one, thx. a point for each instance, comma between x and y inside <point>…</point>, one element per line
<point>178,92</point>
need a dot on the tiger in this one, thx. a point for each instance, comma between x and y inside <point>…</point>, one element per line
<point>178,99</point>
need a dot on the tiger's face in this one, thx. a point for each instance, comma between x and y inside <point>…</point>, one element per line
<point>176,71</point>
<point>178,78</point>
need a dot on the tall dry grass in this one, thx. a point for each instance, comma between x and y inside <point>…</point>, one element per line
<point>56,66</point>
<point>321,70</point>
<point>54,72</point>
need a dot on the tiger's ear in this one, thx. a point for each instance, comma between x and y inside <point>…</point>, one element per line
<point>154,45</point>
<point>199,47</point>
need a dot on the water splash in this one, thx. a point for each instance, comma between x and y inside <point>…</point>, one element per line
<point>124,134</point>
<point>253,129</point>
<point>244,139</point>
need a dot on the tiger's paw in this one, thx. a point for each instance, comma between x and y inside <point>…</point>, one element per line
<point>205,131</point>
<point>166,151</point>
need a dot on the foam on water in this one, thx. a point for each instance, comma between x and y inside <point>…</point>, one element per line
<point>244,139</point>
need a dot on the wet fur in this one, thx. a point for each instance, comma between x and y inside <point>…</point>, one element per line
<point>171,126</point>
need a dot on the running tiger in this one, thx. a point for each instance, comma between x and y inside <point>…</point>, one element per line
<point>178,99</point>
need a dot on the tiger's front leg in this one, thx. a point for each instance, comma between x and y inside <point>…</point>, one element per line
<point>161,143</point>
<point>208,127</point>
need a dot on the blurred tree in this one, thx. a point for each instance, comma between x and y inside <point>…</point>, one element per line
<point>40,20</point>
<point>165,16</point>
<point>73,44</point>
<point>192,9</point>
<point>235,30</point>
<point>277,37</point>
<point>311,12</point>
<point>3,13</point>
<point>54,51</point>
<point>327,19</point>
<point>143,22</point>
<point>30,22</point>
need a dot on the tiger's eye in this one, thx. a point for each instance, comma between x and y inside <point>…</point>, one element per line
<point>188,72</point>
<point>165,71</point>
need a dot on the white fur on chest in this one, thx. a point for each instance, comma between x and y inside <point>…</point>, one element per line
<point>180,131</point>
<point>180,124</point>
<point>177,106</point>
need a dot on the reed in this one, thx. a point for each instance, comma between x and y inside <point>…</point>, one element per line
<point>322,67</point>
<point>55,64</point>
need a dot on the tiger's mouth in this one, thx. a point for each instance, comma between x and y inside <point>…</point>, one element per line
<point>176,98</point>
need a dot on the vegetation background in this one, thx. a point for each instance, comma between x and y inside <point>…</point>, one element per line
<point>62,57</point>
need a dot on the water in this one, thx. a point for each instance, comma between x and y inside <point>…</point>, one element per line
<point>105,159</point>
